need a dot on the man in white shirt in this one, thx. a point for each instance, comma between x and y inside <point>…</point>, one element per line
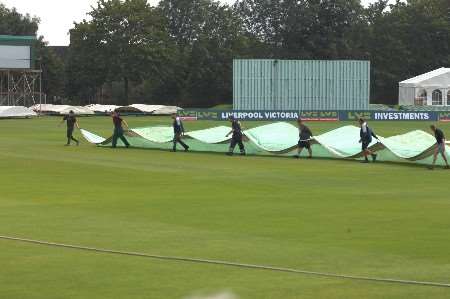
<point>366,135</point>
<point>178,131</point>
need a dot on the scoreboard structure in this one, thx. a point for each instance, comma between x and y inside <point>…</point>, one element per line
<point>17,52</point>
<point>301,85</point>
<point>20,81</point>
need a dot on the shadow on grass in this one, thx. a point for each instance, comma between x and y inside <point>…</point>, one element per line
<point>285,157</point>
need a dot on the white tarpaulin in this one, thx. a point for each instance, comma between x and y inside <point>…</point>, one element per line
<point>91,109</point>
<point>47,108</point>
<point>61,109</point>
<point>78,110</point>
<point>166,110</point>
<point>91,137</point>
<point>102,108</point>
<point>141,108</point>
<point>15,111</point>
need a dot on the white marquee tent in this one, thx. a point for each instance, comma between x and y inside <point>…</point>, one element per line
<point>15,111</point>
<point>432,88</point>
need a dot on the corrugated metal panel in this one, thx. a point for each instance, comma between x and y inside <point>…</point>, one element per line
<point>301,85</point>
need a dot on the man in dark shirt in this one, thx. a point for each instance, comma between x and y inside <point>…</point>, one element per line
<point>71,123</point>
<point>118,129</point>
<point>440,146</point>
<point>305,135</point>
<point>236,138</point>
<point>178,131</point>
<point>366,135</point>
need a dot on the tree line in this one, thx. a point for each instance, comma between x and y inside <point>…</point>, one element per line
<point>180,52</point>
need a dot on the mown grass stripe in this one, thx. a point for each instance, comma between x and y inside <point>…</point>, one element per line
<point>229,264</point>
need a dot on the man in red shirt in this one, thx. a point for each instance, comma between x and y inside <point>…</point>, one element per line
<point>118,130</point>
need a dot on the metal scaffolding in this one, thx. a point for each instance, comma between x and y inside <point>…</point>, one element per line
<point>20,87</point>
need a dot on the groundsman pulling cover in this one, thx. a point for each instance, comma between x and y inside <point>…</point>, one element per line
<point>281,139</point>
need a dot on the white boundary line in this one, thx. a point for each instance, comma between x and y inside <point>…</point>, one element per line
<point>229,264</point>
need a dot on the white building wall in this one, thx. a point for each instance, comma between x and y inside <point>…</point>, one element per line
<point>446,97</point>
<point>406,96</point>
<point>444,92</point>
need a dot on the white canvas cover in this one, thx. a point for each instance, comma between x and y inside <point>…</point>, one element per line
<point>102,108</point>
<point>78,110</point>
<point>136,108</point>
<point>47,108</point>
<point>406,95</point>
<point>142,108</point>
<point>91,137</point>
<point>167,110</point>
<point>42,107</point>
<point>61,109</point>
<point>15,111</point>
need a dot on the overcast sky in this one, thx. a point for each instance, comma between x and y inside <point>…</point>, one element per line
<point>58,16</point>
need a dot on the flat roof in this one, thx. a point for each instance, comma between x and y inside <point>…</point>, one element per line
<point>17,38</point>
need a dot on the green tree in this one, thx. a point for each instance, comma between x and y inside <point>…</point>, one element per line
<point>207,35</point>
<point>306,28</point>
<point>14,23</point>
<point>126,41</point>
<point>53,75</point>
<point>132,39</point>
<point>87,65</point>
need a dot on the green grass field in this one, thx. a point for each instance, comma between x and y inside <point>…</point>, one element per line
<point>381,220</point>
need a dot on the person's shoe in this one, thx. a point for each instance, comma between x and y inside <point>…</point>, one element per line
<point>296,157</point>
<point>186,149</point>
<point>365,161</point>
<point>309,157</point>
<point>374,157</point>
<point>243,154</point>
<point>447,167</point>
<point>229,154</point>
<point>127,146</point>
<point>67,144</point>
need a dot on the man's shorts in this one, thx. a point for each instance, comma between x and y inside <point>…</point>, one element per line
<point>441,148</point>
<point>177,136</point>
<point>237,137</point>
<point>304,144</point>
<point>365,144</point>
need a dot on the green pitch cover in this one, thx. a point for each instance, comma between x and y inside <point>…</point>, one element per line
<point>280,139</point>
